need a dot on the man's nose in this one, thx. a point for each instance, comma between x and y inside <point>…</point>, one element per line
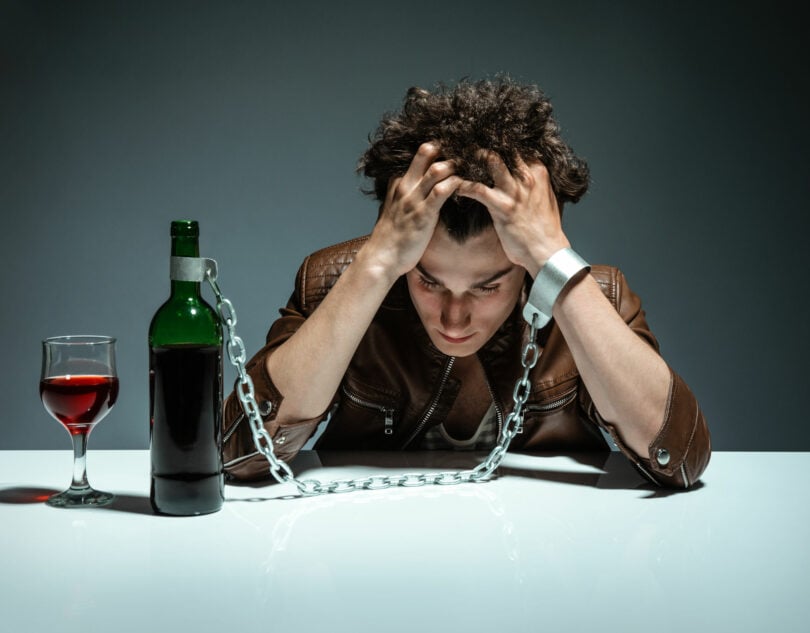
<point>455,313</point>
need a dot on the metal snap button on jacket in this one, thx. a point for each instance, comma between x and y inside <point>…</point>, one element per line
<point>662,456</point>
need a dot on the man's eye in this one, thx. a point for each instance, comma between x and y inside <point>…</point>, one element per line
<point>427,283</point>
<point>487,290</point>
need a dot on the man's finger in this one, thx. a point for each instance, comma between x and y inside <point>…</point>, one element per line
<point>421,162</point>
<point>501,176</point>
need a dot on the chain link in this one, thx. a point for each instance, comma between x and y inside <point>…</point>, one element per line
<point>308,487</point>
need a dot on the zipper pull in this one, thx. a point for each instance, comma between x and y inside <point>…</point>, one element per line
<point>389,421</point>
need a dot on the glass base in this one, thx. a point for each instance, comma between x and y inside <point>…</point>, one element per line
<point>80,498</point>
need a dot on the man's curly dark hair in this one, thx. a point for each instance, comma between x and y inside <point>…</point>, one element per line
<point>501,115</point>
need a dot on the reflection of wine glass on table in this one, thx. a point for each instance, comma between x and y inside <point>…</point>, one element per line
<point>78,387</point>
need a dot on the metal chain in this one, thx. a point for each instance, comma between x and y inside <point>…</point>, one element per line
<point>282,472</point>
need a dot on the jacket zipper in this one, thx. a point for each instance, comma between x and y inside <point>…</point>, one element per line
<point>234,426</point>
<point>559,403</point>
<point>386,411</point>
<point>241,418</point>
<point>433,403</point>
<point>498,409</point>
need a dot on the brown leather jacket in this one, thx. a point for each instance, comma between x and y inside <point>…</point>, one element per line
<point>398,385</point>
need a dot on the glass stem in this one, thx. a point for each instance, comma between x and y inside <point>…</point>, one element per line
<point>79,461</point>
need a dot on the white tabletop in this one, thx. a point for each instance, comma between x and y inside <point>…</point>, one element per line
<point>555,543</point>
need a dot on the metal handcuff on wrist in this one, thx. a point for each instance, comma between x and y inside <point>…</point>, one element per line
<point>558,271</point>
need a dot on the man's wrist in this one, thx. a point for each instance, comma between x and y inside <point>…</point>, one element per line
<point>560,269</point>
<point>376,265</point>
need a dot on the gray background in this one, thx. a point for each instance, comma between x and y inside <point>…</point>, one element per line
<point>117,117</point>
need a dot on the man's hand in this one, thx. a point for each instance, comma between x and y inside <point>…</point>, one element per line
<point>524,211</point>
<point>411,211</point>
<point>300,370</point>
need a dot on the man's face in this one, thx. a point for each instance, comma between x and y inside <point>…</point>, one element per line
<point>464,292</point>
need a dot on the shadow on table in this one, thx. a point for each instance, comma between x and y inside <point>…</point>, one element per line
<point>20,495</point>
<point>606,470</point>
<point>615,472</point>
<point>132,504</point>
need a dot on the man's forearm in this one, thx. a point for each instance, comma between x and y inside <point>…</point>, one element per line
<point>307,368</point>
<point>627,380</point>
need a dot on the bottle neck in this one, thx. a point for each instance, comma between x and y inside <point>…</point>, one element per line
<point>185,246</point>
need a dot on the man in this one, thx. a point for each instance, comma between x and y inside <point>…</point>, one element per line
<point>411,337</point>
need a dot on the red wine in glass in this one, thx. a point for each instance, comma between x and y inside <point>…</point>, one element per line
<point>78,402</point>
<point>78,387</point>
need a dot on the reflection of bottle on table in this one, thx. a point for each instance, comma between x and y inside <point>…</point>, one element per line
<point>185,383</point>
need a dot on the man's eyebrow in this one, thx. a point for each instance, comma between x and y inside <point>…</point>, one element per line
<point>427,275</point>
<point>485,282</point>
<point>495,277</point>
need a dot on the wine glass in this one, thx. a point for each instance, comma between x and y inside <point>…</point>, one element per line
<point>78,387</point>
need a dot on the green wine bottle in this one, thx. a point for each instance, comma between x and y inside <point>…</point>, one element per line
<point>185,392</point>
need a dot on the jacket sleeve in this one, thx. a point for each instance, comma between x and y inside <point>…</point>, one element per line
<point>315,278</point>
<point>680,452</point>
<point>241,458</point>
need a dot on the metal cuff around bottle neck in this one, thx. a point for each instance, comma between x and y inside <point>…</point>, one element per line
<point>194,269</point>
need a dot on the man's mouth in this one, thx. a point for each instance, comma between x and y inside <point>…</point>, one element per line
<point>456,340</point>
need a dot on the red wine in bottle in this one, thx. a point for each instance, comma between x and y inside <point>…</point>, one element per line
<point>185,395</point>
